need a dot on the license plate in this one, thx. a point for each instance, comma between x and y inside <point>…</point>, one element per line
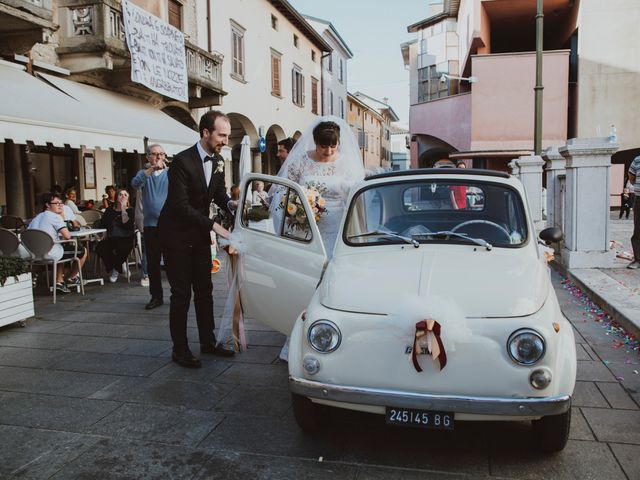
<point>419,418</point>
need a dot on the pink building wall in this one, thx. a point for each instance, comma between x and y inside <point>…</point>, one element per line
<point>502,100</point>
<point>447,119</point>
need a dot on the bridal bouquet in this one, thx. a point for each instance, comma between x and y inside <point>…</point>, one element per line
<point>296,216</point>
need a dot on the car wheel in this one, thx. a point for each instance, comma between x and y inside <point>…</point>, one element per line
<point>305,412</point>
<point>551,433</point>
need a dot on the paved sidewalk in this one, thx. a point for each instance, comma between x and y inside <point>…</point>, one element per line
<point>88,390</point>
<point>617,289</point>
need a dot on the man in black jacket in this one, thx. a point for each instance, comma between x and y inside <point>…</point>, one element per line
<point>196,177</point>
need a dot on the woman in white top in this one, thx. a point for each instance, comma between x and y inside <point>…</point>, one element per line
<point>71,198</point>
<point>259,194</point>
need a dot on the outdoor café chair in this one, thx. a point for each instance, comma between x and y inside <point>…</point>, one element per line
<point>9,243</point>
<point>91,216</point>
<point>13,223</point>
<point>39,244</point>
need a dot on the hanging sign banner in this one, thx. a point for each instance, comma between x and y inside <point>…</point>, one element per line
<point>158,59</point>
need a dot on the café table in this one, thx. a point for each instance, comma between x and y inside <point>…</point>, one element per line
<point>88,234</point>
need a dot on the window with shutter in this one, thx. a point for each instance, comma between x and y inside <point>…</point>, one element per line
<point>237,51</point>
<point>275,74</point>
<point>175,14</point>
<point>297,86</point>
<point>314,95</point>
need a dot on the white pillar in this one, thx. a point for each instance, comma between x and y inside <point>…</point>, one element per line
<point>587,203</point>
<point>531,177</point>
<point>555,168</point>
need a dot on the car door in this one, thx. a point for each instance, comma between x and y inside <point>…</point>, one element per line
<point>282,255</point>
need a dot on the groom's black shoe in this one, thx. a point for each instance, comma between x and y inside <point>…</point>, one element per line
<point>219,350</point>
<point>185,359</point>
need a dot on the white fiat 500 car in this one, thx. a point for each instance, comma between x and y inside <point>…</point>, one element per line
<point>436,306</point>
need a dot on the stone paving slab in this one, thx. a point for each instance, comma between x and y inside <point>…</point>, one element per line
<point>587,394</point>
<point>188,394</point>
<point>53,412</point>
<point>579,460</point>
<point>108,363</point>
<point>177,426</point>
<point>52,382</point>
<point>628,456</point>
<point>619,426</point>
<point>252,400</point>
<point>37,454</point>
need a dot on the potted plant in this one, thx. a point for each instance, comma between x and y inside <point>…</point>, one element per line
<point>16,294</point>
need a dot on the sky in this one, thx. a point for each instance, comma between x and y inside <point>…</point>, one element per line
<point>373,31</point>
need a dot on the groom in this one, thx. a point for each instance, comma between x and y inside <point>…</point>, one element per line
<point>196,177</point>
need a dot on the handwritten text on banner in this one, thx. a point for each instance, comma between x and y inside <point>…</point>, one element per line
<point>158,58</point>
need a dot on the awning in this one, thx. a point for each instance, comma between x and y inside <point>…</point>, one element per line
<point>126,114</point>
<point>32,110</point>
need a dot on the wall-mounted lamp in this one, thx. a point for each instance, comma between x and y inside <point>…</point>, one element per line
<point>445,76</point>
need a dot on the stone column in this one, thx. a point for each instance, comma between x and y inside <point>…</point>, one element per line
<point>586,215</point>
<point>515,169</point>
<point>256,161</point>
<point>555,168</point>
<point>530,167</point>
<point>15,180</point>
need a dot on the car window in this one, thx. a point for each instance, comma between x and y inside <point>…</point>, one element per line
<point>282,214</point>
<point>427,210</point>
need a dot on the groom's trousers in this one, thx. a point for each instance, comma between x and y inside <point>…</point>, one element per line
<point>189,267</point>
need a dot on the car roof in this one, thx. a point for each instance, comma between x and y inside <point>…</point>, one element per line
<point>440,171</point>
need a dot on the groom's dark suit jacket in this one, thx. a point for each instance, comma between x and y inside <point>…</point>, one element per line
<point>184,219</point>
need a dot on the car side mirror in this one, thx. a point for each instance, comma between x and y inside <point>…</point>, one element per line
<point>551,235</point>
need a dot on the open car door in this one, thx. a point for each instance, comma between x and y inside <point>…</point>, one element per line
<point>283,255</point>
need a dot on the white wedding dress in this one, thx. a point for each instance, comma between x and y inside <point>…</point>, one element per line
<point>309,172</point>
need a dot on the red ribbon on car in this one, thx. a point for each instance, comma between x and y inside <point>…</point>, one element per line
<point>431,329</point>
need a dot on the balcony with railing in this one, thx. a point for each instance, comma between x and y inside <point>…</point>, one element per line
<point>23,23</point>
<point>92,39</point>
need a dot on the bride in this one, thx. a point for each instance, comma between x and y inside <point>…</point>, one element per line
<point>327,157</point>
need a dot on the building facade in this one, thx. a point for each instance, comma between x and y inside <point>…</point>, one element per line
<point>272,73</point>
<point>472,74</point>
<point>334,65</point>
<point>70,115</point>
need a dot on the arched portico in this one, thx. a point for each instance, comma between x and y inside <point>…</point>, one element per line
<point>240,126</point>
<point>432,149</point>
<point>270,160</point>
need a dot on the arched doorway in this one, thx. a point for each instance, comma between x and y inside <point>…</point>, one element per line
<point>240,126</point>
<point>270,160</point>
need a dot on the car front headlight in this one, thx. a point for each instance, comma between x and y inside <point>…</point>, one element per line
<point>324,336</point>
<point>526,346</point>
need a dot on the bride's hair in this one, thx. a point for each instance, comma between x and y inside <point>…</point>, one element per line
<point>326,134</point>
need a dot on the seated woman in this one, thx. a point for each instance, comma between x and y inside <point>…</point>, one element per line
<point>118,219</point>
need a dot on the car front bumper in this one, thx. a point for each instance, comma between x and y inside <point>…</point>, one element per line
<point>516,407</point>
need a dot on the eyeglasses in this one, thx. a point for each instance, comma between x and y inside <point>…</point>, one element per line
<point>157,154</point>
<point>55,203</point>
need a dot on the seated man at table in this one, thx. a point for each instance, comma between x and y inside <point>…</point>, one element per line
<point>52,222</point>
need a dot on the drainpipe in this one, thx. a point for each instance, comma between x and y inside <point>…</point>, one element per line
<point>322,57</point>
<point>209,26</point>
<point>537,134</point>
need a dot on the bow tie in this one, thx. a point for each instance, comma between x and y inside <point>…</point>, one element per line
<point>207,159</point>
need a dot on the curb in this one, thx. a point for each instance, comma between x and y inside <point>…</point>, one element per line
<point>596,298</point>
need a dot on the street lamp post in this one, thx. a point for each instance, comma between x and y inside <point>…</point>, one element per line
<point>537,134</point>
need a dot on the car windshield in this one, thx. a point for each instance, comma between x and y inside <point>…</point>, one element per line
<point>437,210</point>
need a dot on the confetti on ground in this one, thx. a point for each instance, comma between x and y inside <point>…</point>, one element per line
<point>621,338</point>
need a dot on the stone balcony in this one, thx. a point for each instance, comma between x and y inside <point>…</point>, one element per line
<point>23,23</point>
<point>92,44</point>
